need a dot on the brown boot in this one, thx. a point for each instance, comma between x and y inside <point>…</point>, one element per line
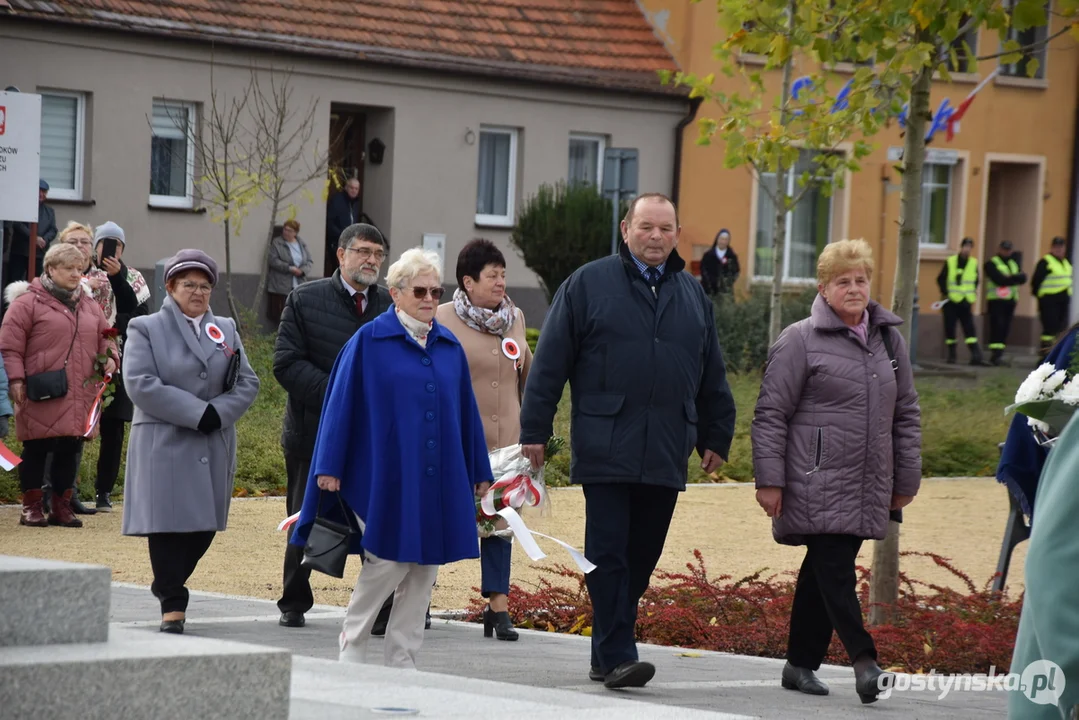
<point>61,511</point>
<point>33,511</point>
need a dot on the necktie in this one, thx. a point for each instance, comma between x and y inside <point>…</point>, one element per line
<point>653,276</point>
<point>194,329</point>
<point>361,302</point>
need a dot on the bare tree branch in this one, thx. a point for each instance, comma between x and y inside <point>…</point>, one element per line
<point>1026,49</point>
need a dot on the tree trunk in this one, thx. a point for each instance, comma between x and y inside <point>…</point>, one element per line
<point>228,271</point>
<point>884,582</point>
<point>264,273</point>
<point>779,227</point>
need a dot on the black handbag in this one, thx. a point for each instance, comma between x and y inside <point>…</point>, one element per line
<point>234,370</point>
<point>51,383</point>
<point>328,542</point>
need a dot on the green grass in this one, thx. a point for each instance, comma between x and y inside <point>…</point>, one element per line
<point>962,422</point>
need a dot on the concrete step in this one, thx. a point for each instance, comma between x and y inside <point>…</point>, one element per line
<point>46,602</point>
<point>146,674</point>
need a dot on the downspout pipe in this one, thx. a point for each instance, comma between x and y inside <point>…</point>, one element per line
<point>679,131</point>
<point>1073,209</point>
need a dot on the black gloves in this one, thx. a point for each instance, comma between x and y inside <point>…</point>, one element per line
<point>210,421</point>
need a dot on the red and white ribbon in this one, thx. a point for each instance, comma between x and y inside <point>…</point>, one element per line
<point>532,549</point>
<point>517,491</point>
<point>288,522</point>
<point>95,409</point>
<point>8,460</point>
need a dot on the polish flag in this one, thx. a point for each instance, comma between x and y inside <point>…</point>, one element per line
<point>957,115</point>
<point>8,459</point>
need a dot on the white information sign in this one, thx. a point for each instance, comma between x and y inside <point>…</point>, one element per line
<point>20,155</point>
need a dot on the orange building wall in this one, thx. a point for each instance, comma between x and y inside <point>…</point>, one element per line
<point>1027,121</point>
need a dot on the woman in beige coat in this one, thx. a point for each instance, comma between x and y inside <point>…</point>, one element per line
<point>482,317</point>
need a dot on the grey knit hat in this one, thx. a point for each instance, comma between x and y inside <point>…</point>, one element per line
<point>109,230</point>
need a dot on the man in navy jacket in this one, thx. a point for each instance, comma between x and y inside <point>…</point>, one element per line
<point>636,339</point>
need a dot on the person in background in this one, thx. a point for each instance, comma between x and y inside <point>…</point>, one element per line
<point>342,210</point>
<point>19,258</point>
<point>1052,285</point>
<point>181,457</point>
<point>1002,295</point>
<point>401,439</point>
<point>719,266</point>
<point>319,318</point>
<point>958,283</point>
<point>132,296</point>
<point>635,337</point>
<point>290,263</point>
<point>482,316</point>
<point>6,410</point>
<point>836,447</point>
<point>52,324</point>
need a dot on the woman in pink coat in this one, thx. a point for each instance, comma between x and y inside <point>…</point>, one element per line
<point>52,324</point>
<point>836,447</point>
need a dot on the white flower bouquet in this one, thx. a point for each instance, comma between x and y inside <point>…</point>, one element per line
<point>1048,397</point>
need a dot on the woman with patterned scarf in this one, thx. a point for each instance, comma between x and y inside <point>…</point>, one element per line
<point>491,329</point>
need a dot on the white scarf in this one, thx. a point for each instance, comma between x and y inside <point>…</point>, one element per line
<point>416,328</point>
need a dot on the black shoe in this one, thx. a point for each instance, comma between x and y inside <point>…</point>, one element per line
<point>103,503</point>
<point>594,673</point>
<point>173,627</point>
<point>78,508</point>
<point>427,619</point>
<point>291,618</point>
<point>868,685</point>
<point>803,680</point>
<point>630,674</point>
<point>498,624</point>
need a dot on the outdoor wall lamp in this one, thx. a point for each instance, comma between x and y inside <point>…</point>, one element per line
<point>470,136</point>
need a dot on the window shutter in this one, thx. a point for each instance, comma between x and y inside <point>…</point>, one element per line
<point>59,138</point>
<point>169,121</point>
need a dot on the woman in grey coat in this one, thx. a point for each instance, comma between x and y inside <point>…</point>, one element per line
<point>290,262</point>
<point>181,455</point>
<point>836,447</point>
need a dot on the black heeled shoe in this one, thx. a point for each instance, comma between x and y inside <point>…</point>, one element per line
<point>173,627</point>
<point>498,624</point>
<point>868,683</point>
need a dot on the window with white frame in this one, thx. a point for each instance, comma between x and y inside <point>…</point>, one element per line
<point>809,224</point>
<point>1035,39</point>
<point>496,185</point>
<point>936,204</point>
<point>172,154</point>
<point>586,159</point>
<point>63,118</point>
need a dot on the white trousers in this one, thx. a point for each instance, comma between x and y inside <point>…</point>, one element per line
<point>411,585</point>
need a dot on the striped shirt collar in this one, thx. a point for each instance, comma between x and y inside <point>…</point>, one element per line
<point>643,268</point>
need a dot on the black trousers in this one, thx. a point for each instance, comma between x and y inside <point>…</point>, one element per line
<point>1053,310</point>
<point>625,528</point>
<point>63,467</point>
<point>959,312</point>
<point>296,593</point>
<point>173,557</point>
<point>826,599</point>
<point>1000,322</point>
<point>109,453</point>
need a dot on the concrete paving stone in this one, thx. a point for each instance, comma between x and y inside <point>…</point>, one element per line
<point>137,674</point>
<point>46,602</point>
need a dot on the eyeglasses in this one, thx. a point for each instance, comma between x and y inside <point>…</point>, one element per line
<point>367,253</point>
<point>201,288</point>
<point>421,292</point>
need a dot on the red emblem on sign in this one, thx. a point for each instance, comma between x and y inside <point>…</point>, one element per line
<point>3,118</point>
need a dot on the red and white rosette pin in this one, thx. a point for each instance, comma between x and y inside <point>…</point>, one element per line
<point>214,333</point>
<point>511,349</point>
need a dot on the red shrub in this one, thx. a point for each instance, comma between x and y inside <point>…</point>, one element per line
<point>935,627</point>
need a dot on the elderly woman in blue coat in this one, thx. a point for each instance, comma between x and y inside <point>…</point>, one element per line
<point>401,438</point>
<point>181,455</point>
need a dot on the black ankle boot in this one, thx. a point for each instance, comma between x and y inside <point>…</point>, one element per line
<point>498,624</point>
<point>77,507</point>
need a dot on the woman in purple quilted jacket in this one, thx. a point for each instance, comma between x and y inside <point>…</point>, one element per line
<point>836,448</point>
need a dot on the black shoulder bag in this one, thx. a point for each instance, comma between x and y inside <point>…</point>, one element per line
<point>328,542</point>
<point>886,338</point>
<point>52,383</point>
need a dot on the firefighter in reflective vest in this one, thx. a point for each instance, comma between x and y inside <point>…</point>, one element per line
<point>1002,280</point>
<point>958,282</point>
<point>1052,285</point>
